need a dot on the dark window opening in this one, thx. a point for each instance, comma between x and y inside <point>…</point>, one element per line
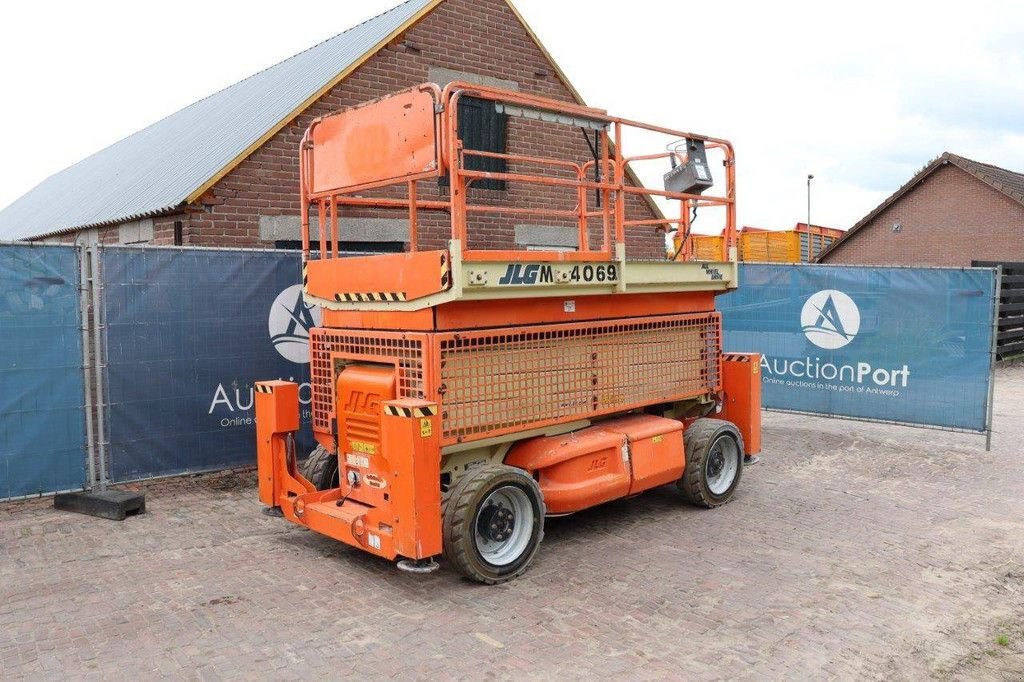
<point>483,129</point>
<point>343,247</point>
<point>177,233</point>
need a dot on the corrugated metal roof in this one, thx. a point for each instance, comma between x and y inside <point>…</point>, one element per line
<point>159,167</point>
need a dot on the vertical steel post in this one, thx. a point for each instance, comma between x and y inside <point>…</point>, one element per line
<point>97,335</point>
<point>809,178</point>
<point>992,359</point>
<point>413,219</point>
<point>83,304</point>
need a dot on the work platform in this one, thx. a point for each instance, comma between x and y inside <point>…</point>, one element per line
<point>424,279</point>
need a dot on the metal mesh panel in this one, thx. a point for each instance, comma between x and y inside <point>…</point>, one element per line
<point>402,350</point>
<point>501,381</point>
<point>811,245</point>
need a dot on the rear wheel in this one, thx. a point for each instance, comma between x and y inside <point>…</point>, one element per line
<point>714,462</point>
<point>493,523</point>
<point>321,469</point>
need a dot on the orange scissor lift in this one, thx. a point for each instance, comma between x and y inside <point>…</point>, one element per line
<point>460,395</point>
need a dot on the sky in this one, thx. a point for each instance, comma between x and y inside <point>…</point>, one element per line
<point>861,95</point>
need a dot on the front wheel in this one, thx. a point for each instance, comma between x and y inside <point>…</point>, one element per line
<point>493,523</point>
<point>321,469</point>
<point>714,462</point>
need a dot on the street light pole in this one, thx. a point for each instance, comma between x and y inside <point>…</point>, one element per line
<point>809,178</point>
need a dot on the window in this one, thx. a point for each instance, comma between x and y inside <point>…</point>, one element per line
<point>547,237</point>
<point>483,129</point>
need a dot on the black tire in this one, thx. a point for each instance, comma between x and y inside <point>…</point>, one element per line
<point>708,450</point>
<point>321,469</point>
<point>464,510</point>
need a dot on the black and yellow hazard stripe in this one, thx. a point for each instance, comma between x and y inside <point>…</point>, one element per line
<point>373,297</point>
<point>735,357</point>
<point>410,412</point>
<point>446,273</point>
<point>264,388</point>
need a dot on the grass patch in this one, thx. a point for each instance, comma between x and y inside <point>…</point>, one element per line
<point>1002,640</point>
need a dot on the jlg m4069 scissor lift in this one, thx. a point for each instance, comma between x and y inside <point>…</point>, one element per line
<point>461,394</point>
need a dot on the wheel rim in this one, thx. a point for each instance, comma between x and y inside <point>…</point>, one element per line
<point>503,525</point>
<point>721,465</point>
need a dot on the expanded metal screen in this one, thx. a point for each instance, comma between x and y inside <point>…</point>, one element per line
<point>405,351</point>
<point>496,382</point>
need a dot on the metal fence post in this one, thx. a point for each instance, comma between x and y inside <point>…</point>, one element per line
<point>992,359</point>
<point>97,334</point>
<point>83,302</point>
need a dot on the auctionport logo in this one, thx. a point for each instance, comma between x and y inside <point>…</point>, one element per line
<point>290,322</point>
<point>830,319</point>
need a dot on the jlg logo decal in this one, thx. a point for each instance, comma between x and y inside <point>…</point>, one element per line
<point>365,403</point>
<point>598,463</point>
<point>518,274</point>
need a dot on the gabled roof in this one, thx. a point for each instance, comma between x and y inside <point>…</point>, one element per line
<point>1008,182</point>
<point>174,160</point>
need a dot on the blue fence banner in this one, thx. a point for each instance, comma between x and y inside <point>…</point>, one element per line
<point>188,332</point>
<point>42,420</point>
<point>908,345</point>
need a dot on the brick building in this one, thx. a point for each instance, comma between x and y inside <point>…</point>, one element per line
<point>953,212</point>
<point>224,170</point>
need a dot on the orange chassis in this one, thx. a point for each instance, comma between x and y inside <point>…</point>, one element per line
<point>573,377</point>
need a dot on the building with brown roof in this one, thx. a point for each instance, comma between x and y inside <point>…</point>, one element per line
<point>953,212</point>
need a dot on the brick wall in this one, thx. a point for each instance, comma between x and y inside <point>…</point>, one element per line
<point>477,36</point>
<point>950,218</point>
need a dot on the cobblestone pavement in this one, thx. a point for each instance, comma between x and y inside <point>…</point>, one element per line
<point>852,550</point>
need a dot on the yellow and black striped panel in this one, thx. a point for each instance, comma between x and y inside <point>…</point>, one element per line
<point>264,388</point>
<point>410,412</point>
<point>445,271</point>
<point>735,357</point>
<point>373,297</point>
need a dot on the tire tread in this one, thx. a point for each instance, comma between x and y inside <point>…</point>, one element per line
<point>697,440</point>
<point>457,521</point>
<point>319,467</point>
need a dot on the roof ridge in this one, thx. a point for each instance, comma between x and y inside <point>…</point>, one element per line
<point>986,165</point>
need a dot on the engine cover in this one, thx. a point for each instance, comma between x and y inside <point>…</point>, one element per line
<point>612,459</point>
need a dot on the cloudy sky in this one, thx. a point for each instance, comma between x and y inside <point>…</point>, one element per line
<point>859,94</point>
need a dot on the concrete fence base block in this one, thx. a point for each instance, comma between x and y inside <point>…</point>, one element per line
<point>115,505</point>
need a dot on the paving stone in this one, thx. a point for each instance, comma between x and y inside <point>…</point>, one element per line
<point>852,550</point>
